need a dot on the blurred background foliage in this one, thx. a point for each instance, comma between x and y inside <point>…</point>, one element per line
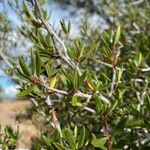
<point>110,46</point>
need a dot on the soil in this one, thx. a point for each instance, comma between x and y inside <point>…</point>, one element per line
<point>8,113</point>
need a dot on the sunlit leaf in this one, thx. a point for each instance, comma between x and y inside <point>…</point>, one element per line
<point>26,91</point>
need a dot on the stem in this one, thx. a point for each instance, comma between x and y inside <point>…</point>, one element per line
<point>34,79</point>
<point>145,69</point>
<point>103,63</point>
<point>50,30</point>
<point>106,132</point>
<point>55,121</point>
<point>115,55</point>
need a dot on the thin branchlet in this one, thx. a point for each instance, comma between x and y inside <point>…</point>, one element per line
<point>64,55</point>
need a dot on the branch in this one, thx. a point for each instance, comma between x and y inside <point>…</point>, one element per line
<point>78,94</point>
<point>104,99</point>
<point>54,90</point>
<point>115,55</point>
<point>103,63</point>
<point>34,79</point>
<point>106,132</point>
<point>50,30</point>
<point>145,69</point>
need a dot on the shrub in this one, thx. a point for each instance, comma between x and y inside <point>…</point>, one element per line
<point>94,88</point>
<point>9,138</point>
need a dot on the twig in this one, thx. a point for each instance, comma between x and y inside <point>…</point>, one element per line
<point>89,109</point>
<point>50,30</point>
<point>54,90</point>
<point>56,49</point>
<point>115,55</point>
<point>55,121</point>
<point>103,63</point>
<point>66,58</point>
<point>138,80</point>
<point>78,94</point>
<point>145,69</point>
<point>38,81</point>
<point>104,99</point>
<point>106,132</point>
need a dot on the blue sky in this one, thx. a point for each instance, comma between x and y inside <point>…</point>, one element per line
<point>8,86</point>
<point>5,82</point>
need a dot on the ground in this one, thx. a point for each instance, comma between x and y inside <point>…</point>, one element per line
<point>28,130</point>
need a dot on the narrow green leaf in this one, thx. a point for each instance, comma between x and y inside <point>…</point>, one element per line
<point>48,69</point>
<point>98,103</point>
<point>81,137</point>
<point>45,15</point>
<point>60,146</point>
<point>94,136</point>
<point>69,138</point>
<point>32,62</point>
<point>26,10</point>
<point>24,67</point>
<point>114,105</point>
<point>76,80</point>
<point>117,37</point>
<point>42,39</point>
<point>134,123</point>
<point>75,101</point>
<point>26,91</point>
<point>38,64</point>
<point>63,26</point>
<point>37,147</point>
<point>119,127</point>
<point>38,92</point>
<point>20,74</point>
<point>120,71</point>
<point>138,59</point>
<point>46,140</point>
<point>75,131</point>
<point>99,143</point>
<point>111,38</point>
<point>89,52</point>
<point>69,26</point>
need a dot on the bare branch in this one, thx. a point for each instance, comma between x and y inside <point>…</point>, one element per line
<point>104,99</point>
<point>145,69</point>
<point>90,110</point>
<point>103,63</point>
<point>115,55</point>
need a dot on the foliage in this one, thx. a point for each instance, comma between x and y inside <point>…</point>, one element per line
<point>97,83</point>
<point>9,139</point>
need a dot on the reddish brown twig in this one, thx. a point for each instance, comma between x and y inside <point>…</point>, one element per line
<point>106,132</point>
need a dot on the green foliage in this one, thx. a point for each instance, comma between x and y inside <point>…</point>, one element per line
<point>113,110</point>
<point>72,140</point>
<point>99,143</point>
<point>9,138</point>
<point>97,83</point>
